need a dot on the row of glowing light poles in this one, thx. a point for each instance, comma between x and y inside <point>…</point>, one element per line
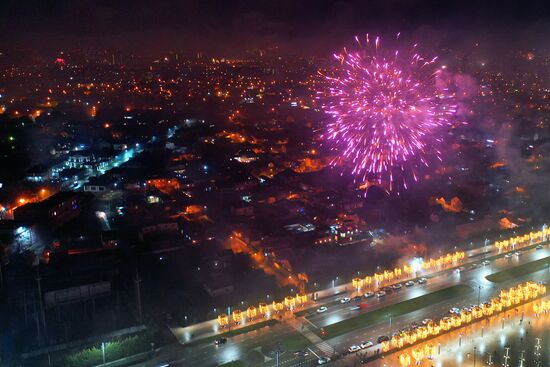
<point>507,298</point>
<point>263,310</point>
<point>434,264</point>
<point>523,240</point>
<point>408,271</point>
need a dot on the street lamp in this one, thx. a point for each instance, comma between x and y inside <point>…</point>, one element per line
<point>475,348</point>
<point>522,359</point>
<point>277,352</point>
<point>490,360</point>
<point>103,351</point>
<point>506,357</point>
<point>478,294</point>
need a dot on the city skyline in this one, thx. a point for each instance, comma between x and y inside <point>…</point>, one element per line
<point>274,184</point>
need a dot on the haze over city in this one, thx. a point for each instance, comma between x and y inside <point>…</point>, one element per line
<point>260,183</point>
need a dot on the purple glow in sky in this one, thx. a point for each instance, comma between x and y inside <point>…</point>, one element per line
<point>386,112</point>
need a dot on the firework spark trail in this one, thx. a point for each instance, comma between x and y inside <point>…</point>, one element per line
<point>385,111</point>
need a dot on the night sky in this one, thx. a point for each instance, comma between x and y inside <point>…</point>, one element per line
<point>232,26</point>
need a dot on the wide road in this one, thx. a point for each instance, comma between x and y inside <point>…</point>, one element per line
<point>472,277</point>
<point>242,346</point>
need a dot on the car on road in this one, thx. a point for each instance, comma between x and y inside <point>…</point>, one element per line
<point>422,281</point>
<point>323,360</point>
<point>410,283</point>
<point>382,338</point>
<point>380,294</point>
<point>364,345</point>
<point>485,262</point>
<point>357,298</point>
<point>368,294</point>
<point>345,300</point>
<point>508,255</point>
<point>426,321</point>
<point>460,269</point>
<point>517,253</point>
<point>355,308</point>
<point>397,286</point>
<point>474,266</point>
<point>301,353</point>
<point>322,309</point>
<point>220,341</point>
<point>454,311</point>
<point>354,348</point>
<point>539,247</point>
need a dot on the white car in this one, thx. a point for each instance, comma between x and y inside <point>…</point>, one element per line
<point>422,280</point>
<point>517,253</point>
<point>397,286</point>
<point>368,294</point>
<point>345,300</point>
<point>354,348</point>
<point>410,283</point>
<point>508,255</point>
<point>364,345</point>
<point>322,309</point>
<point>380,294</point>
<point>323,360</point>
<point>454,311</point>
<point>426,321</point>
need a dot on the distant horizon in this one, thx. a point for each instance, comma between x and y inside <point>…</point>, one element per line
<point>230,28</point>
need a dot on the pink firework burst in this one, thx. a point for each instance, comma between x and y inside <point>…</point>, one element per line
<point>386,112</point>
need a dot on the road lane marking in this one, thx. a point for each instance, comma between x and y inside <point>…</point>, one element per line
<point>311,350</point>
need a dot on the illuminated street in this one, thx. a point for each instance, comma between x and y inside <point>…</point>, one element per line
<point>239,346</point>
<point>515,334</point>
